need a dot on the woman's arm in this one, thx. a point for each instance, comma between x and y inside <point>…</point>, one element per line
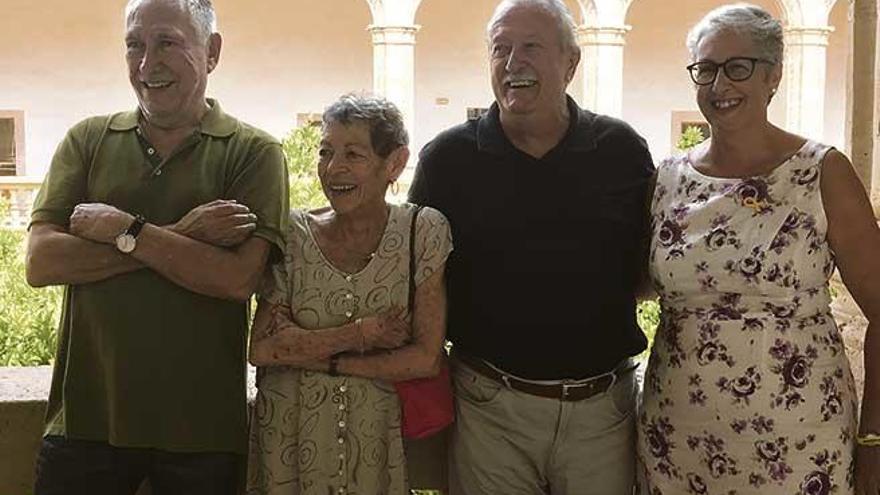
<point>277,340</point>
<point>855,240</point>
<point>421,357</point>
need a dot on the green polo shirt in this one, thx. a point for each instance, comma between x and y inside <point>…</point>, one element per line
<point>142,362</point>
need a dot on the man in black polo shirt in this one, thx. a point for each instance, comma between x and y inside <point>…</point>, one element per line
<point>546,202</point>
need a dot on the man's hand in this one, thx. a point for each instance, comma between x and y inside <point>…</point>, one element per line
<point>388,330</point>
<point>220,223</point>
<point>99,222</point>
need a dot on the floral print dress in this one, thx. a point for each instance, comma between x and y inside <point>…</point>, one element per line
<point>748,389</point>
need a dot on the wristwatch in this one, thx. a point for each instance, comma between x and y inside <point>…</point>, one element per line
<point>127,241</point>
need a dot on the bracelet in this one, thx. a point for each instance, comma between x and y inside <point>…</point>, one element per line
<point>333,369</point>
<point>868,440</point>
<point>359,322</point>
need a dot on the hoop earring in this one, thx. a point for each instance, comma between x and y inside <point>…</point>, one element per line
<point>395,188</point>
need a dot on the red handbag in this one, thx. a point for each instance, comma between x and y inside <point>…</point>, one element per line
<point>425,403</point>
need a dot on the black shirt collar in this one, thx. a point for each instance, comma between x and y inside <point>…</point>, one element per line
<point>579,137</point>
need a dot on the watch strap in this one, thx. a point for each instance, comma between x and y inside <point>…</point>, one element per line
<point>136,225</point>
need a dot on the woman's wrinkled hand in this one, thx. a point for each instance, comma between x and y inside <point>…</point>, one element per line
<point>388,330</point>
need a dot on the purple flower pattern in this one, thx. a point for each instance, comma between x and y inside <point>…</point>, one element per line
<point>748,389</point>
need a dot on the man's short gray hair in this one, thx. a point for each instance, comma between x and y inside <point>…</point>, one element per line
<point>200,12</point>
<point>383,119</point>
<point>764,31</point>
<point>556,8</point>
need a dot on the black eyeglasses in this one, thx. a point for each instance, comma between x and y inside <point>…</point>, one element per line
<point>735,68</point>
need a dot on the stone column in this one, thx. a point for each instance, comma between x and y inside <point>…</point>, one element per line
<point>394,67</point>
<point>860,89</point>
<point>805,79</point>
<point>602,56</point>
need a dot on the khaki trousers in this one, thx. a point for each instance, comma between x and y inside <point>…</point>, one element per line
<point>505,442</point>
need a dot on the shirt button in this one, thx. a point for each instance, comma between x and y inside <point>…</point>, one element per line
<point>342,424</point>
<point>151,151</point>
<point>158,172</point>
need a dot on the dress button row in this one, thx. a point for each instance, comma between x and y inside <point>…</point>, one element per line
<point>348,314</point>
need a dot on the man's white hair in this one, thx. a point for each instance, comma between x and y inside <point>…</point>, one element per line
<point>201,13</point>
<point>556,8</point>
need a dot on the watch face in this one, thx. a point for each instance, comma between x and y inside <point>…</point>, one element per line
<point>125,243</point>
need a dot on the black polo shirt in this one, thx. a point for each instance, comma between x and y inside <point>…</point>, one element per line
<point>547,251</point>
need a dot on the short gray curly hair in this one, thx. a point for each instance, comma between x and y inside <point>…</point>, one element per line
<point>383,118</point>
<point>201,13</point>
<point>762,28</point>
<point>556,8</point>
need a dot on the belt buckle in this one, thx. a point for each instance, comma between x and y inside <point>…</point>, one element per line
<point>568,385</point>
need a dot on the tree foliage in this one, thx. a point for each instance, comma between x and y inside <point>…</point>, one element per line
<point>300,148</point>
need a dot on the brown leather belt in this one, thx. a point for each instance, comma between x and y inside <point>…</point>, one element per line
<point>566,390</point>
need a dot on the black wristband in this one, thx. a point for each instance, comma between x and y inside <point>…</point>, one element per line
<point>136,225</point>
<point>333,369</point>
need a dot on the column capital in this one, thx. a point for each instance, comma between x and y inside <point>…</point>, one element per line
<point>807,35</point>
<point>393,35</point>
<point>602,35</point>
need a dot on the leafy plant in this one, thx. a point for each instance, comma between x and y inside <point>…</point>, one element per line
<point>692,136</point>
<point>28,316</point>
<point>300,148</point>
<point>648,317</point>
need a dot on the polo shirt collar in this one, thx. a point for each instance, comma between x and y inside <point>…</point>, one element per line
<point>214,123</point>
<point>579,137</point>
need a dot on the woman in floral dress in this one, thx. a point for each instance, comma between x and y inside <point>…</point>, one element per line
<point>748,389</point>
<point>330,335</point>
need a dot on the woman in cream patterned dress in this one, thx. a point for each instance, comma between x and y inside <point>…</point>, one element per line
<point>748,389</point>
<point>330,333</point>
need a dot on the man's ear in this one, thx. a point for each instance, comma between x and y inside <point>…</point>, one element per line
<point>397,162</point>
<point>573,61</point>
<point>215,43</point>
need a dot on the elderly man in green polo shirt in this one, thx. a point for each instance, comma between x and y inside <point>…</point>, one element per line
<point>159,222</point>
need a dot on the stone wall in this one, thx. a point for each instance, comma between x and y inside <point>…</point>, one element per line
<point>23,393</point>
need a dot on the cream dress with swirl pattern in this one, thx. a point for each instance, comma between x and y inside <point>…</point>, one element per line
<point>313,434</point>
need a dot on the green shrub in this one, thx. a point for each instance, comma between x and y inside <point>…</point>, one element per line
<point>648,317</point>
<point>300,148</point>
<point>28,316</point>
<point>691,137</point>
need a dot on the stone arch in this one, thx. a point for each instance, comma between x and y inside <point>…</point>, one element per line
<point>394,12</point>
<point>806,12</point>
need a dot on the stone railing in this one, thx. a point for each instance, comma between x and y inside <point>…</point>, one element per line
<point>23,394</point>
<point>18,192</point>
